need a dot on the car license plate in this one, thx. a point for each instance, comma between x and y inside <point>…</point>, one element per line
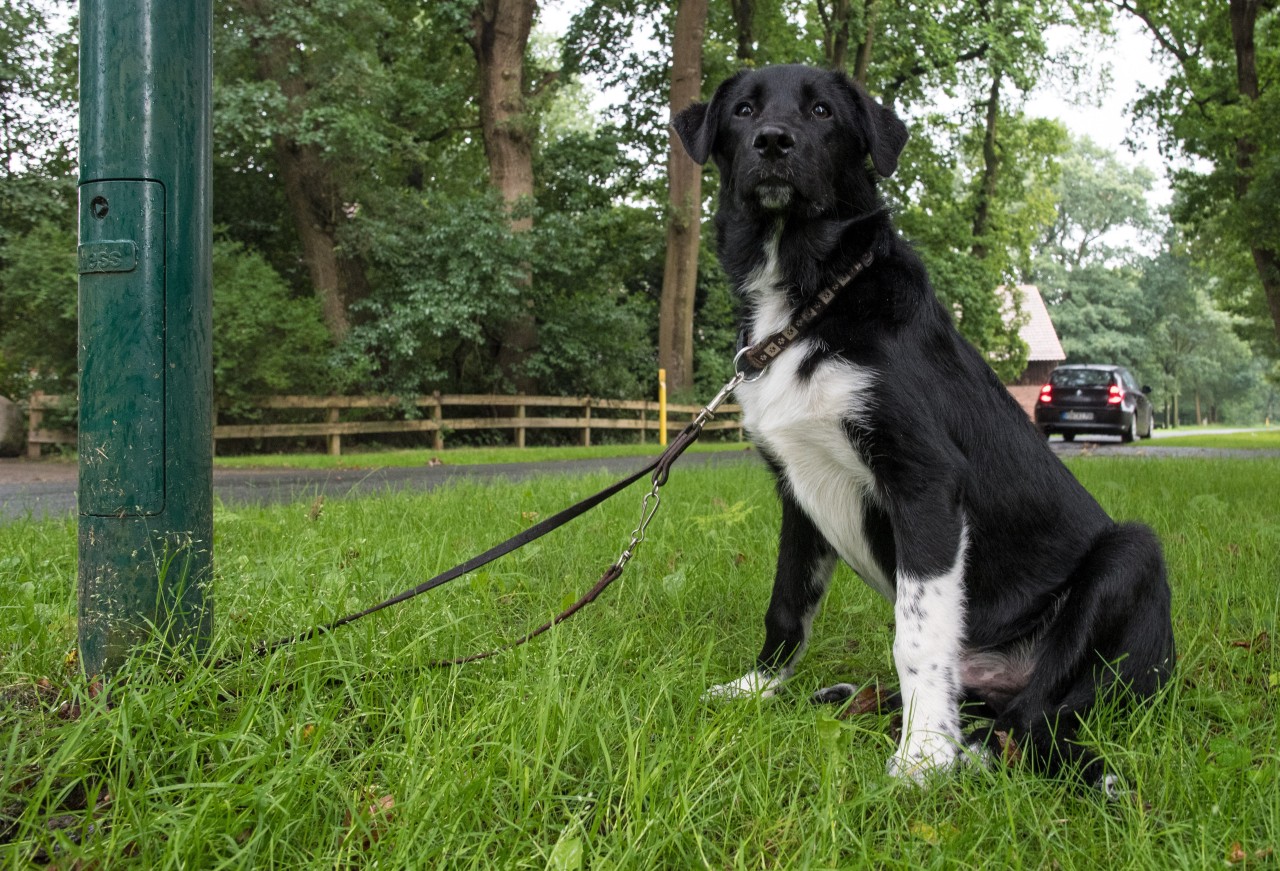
<point>1077,415</point>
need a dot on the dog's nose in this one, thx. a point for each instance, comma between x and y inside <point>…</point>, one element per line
<point>773,141</point>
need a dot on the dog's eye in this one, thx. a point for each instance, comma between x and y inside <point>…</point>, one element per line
<point>821,110</point>
<point>743,110</point>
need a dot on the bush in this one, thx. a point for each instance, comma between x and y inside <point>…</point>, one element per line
<point>38,298</point>
<point>265,340</point>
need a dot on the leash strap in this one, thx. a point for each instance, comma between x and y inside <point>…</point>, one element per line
<point>758,356</point>
<point>660,469</point>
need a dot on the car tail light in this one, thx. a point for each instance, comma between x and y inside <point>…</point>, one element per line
<point>1046,394</point>
<point>1115,395</point>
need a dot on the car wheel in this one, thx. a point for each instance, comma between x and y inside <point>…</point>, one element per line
<point>1044,431</point>
<point>1151,425</point>
<point>1132,432</point>
<point>1068,436</point>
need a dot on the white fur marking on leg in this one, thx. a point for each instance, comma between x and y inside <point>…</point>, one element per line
<point>752,684</point>
<point>929,617</point>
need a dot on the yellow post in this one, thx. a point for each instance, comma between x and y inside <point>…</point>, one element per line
<point>662,407</point>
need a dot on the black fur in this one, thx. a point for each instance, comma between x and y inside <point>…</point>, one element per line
<point>948,448</point>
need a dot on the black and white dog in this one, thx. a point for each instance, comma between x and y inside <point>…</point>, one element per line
<point>897,450</point>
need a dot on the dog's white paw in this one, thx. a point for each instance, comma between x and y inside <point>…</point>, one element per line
<point>1112,787</point>
<point>755,684</point>
<point>924,753</point>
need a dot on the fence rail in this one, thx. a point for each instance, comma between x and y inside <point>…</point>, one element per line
<point>506,413</point>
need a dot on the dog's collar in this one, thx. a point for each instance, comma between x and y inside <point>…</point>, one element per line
<point>760,354</point>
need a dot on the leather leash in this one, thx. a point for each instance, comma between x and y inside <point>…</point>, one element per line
<point>660,470</point>
<point>757,356</point>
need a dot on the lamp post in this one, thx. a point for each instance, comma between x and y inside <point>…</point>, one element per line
<point>145,523</point>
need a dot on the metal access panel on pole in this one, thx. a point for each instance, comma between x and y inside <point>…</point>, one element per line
<point>146,383</point>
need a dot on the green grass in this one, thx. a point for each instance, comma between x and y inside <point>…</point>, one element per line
<point>1257,440</point>
<point>591,747</point>
<point>458,456</point>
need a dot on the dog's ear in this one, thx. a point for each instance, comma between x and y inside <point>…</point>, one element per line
<point>696,125</point>
<point>696,128</point>
<point>886,134</point>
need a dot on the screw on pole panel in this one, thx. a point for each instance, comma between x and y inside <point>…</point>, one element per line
<point>145,498</point>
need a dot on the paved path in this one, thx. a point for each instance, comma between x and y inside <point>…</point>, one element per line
<point>43,489</point>
<point>46,488</point>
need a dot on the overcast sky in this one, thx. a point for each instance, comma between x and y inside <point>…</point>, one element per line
<point>1103,114</point>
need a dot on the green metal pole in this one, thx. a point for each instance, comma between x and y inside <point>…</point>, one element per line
<point>146,384</point>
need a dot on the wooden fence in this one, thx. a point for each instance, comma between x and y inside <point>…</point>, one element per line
<point>518,414</point>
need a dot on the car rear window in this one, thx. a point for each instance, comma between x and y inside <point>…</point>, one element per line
<point>1080,377</point>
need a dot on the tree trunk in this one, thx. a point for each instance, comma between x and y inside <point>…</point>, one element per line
<point>862,60</point>
<point>338,279</point>
<point>684,219</point>
<point>744,13</point>
<point>499,36</point>
<point>311,189</point>
<point>1244,15</point>
<point>990,173</point>
<point>835,32</point>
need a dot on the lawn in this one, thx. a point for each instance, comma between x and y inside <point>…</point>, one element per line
<point>591,747</point>
<point>1268,439</point>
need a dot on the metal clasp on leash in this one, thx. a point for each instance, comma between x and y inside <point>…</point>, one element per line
<point>637,536</point>
<point>649,505</point>
<point>743,370</point>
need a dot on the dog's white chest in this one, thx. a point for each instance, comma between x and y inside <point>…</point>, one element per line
<point>801,422</point>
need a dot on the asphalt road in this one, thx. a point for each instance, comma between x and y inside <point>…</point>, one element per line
<point>47,489</point>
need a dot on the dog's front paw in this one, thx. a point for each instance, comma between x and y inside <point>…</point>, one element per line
<point>924,753</point>
<point>755,684</point>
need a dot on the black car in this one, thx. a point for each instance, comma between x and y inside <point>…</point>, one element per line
<point>1094,399</point>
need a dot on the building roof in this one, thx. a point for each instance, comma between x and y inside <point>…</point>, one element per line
<point>1037,330</point>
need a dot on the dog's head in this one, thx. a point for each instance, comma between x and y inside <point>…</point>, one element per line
<point>793,139</point>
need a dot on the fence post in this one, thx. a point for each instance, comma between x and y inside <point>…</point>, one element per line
<point>35,417</point>
<point>520,429</point>
<point>146,373</point>
<point>586,416</point>
<point>437,414</point>
<point>335,439</point>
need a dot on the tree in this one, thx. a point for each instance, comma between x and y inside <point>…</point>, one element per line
<point>1085,262</point>
<point>1198,360</point>
<point>37,200</point>
<point>38,297</point>
<point>499,37</point>
<point>684,205</point>
<point>1102,211</point>
<point>975,183</point>
<point>1221,105</point>
<point>37,110</point>
<point>287,77</point>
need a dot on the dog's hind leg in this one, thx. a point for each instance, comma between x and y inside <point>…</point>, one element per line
<point>1112,634</point>
<point>805,564</point>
